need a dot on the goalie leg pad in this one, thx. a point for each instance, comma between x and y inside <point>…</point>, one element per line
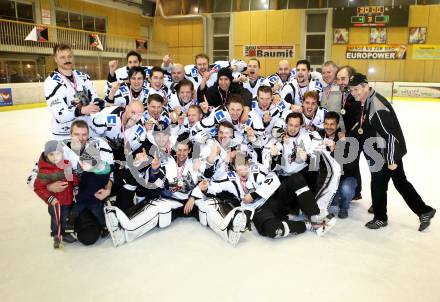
<point>228,226</point>
<point>145,218</point>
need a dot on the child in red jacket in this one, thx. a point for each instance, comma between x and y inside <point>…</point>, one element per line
<point>51,168</point>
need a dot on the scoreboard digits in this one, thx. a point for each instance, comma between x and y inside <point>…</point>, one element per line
<point>365,10</point>
<point>374,16</point>
<point>370,16</point>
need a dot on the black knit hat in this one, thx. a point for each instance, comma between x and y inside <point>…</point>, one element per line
<point>227,72</point>
<point>356,79</point>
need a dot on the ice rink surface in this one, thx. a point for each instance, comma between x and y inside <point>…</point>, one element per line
<point>188,262</point>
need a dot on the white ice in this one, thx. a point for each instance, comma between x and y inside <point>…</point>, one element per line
<point>188,262</point>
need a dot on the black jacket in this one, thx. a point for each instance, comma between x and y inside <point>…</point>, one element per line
<point>381,121</point>
<point>215,99</point>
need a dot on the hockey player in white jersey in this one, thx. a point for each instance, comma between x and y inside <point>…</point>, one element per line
<point>157,85</point>
<point>69,93</point>
<point>313,115</point>
<point>262,118</point>
<point>280,82</point>
<point>218,202</point>
<point>120,75</point>
<point>120,127</point>
<point>183,98</point>
<point>300,151</point>
<point>253,80</point>
<point>174,73</point>
<point>175,178</point>
<point>156,111</point>
<point>218,153</point>
<point>196,73</point>
<point>202,70</point>
<point>304,82</point>
<point>232,113</point>
<point>134,89</point>
<point>271,201</point>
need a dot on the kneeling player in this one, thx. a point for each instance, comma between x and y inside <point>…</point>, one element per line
<point>174,178</point>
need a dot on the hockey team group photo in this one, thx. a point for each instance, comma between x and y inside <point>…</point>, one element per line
<point>218,144</point>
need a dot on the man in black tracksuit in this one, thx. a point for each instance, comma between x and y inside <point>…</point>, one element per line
<point>378,120</point>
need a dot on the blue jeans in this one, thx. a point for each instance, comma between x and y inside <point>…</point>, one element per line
<point>345,193</point>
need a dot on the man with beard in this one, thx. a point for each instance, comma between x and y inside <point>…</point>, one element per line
<point>123,94</point>
<point>350,111</point>
<point>200,72</point>
<point>69,93</point>
<point>347,183</point>
<point>378,120</point>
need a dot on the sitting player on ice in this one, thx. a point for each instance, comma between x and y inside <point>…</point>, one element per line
<point>261,191</point>
<point>173,178</point>
<point>52,167</point>
<point>294,150</point>
<point>226,205</point>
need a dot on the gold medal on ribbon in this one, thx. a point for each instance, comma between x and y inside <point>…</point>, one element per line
<point>361,131</point>
<point>343,111</point>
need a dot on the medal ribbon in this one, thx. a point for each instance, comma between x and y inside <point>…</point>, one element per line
<point>361,121</point>
<point>57,210</point>
<point>74,84</point>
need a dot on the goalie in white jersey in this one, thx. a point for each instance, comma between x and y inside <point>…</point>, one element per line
<point>69,94</point>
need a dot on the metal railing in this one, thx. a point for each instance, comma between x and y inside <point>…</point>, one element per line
<point>13,33</point>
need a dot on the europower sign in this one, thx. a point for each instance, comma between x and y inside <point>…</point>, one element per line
<point>375,52</point>
<point>5,97</point>
<point>269,51</point>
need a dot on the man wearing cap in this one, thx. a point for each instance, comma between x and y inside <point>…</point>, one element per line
<point>219,93</point>
<point>379,121</point>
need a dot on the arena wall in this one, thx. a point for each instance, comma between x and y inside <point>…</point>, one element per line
<point>286,27</point>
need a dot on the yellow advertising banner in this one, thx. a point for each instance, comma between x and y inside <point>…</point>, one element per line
<point>426,52</point>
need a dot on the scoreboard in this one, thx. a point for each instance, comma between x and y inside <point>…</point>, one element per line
<point>374,16</point>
